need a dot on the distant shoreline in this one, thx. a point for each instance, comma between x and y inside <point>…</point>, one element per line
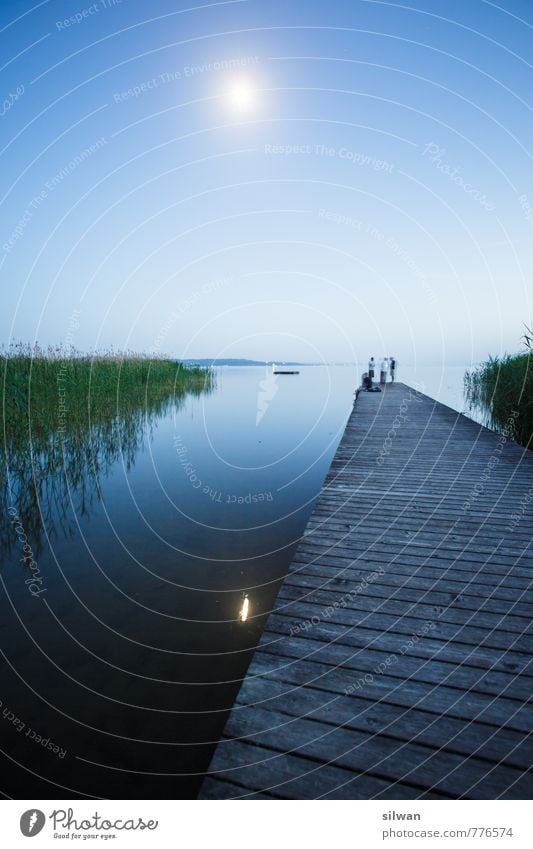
<point>206,361</point>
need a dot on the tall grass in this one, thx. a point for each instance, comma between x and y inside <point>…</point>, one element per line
<point>67,417</point>
<point>503,388</point>
<point>53,389</point>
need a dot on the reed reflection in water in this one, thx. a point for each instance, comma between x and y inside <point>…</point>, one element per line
<point>67,419</point>
<point>154,600</point>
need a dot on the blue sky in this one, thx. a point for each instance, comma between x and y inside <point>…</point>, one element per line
<point>373,195</point>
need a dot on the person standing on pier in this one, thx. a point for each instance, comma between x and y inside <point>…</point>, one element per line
<point>383,371</point>
<point>392,368</point>
<point>371,367</point>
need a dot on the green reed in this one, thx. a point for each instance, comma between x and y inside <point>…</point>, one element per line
<point>503,388</point>
<point>47,390</point>
<point>67,418</point>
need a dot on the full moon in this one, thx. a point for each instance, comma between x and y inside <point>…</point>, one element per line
<point>241,94</point>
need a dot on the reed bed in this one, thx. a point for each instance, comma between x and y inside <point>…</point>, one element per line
<point>67,418</point>
<point>55,390</point>
<point>503,388</point>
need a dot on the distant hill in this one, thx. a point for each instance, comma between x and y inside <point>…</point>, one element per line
<point>236,362</point>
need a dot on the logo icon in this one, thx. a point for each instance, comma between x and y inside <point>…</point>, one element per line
<point>32,822</point>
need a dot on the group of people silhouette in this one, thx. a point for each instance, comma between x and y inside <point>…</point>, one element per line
<point>387,367</point>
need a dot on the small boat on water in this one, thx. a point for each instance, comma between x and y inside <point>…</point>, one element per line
<point>278,370</point>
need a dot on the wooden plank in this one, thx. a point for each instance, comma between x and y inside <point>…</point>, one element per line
<point>290,776</point>
<point>484,657</point>
<point>409,624</point>
<point>403,666</point>
<point>462,704</point>
<point>439,592</point>
<point>461,570</point>
<point>494,745</point>
<point>377,755</point>
<point>423,607</point>
<point>398,659</point>
<point>496,562</point>
<point>215,789</point>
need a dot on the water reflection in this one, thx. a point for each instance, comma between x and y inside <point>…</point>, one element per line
<point>153,603</point>
<point>498,394</point>
<point>44,475</point>
<point>181,517</point>
<point>245,608</point>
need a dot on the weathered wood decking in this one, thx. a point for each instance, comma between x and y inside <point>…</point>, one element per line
<point>398,661</point>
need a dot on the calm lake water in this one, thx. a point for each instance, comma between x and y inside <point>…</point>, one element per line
<point>117,676</point>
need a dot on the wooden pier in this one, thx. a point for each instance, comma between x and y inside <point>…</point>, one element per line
<point>398,660</point>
